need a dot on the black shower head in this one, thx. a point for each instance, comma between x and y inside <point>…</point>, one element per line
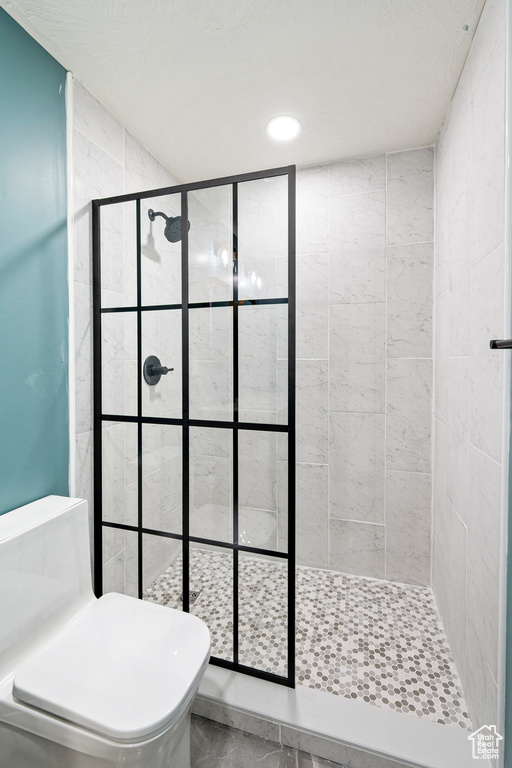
<point>172,229</point>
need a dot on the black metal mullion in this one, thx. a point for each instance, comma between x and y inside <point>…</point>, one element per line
<point>206,184</point>
<point>252,671</point>
<point>186,422</point>
<point>197,540</point>
<point>291,426</point>
<point>235,424</point>
<point>140,542</point>
<point>254,426</point>
<point>97,436</point>
<point>185,394</point>
<point>194,305</point>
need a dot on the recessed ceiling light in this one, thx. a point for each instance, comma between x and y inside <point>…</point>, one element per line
<point>283,128</point>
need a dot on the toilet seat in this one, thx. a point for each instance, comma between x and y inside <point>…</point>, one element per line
<point>123,668</point>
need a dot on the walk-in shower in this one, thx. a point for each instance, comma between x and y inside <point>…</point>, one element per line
<point>200,482</point>
<point>194,408</point>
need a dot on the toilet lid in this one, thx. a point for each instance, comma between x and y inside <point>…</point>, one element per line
<point>123,668</point>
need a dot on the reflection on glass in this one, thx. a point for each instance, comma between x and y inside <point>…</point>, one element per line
<point>210,244</point>
<point>119,363</point>
<point>119,472</point>
<point>262,237</point>
<point>161,477</point>
<point>120,561</point>
<point>118,255</point>
<point>211,472</point>
<point>162,570</point>
<point>211,363</point>
<point>262,352</point>
<point>160,258</point>
<point>262,490</point>
<point>263,613</point>
<point>161,336</point>
<point>211,595</point>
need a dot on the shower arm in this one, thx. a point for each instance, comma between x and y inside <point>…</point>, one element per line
<point>153,214</point>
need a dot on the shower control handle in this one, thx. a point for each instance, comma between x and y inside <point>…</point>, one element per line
<point>154,370</point>
<point>500,344</point>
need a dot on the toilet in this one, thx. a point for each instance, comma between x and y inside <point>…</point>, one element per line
<point>87,682</point>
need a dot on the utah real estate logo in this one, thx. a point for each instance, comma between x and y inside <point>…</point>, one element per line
<point>486,743</point>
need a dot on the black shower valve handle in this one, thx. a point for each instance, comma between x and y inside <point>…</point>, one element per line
<point>158,370</point>
<point>153,370</point>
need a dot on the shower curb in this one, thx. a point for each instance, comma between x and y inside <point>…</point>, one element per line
<point>353,733</point>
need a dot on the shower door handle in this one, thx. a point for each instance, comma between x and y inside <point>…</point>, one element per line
<point>500,344</point>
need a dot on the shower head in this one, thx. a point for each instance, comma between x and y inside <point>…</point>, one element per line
<point>172,229</point>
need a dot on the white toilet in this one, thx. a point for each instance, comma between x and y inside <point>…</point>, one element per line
<point>87,683</point>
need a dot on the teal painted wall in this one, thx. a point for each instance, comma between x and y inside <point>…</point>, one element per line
<point>34,413</point>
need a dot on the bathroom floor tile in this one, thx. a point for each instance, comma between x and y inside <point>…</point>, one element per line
<point>361,638</point>
<point>214,745</point>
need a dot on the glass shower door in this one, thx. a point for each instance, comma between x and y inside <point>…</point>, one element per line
<point>195,467</point>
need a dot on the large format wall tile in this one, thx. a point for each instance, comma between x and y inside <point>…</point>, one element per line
<point>479,686</point>
<point>357,250</point>
<point>141,169</point>
<point>409,276</point>
<point>408,528</point>
<point>312,414</point>
<point>312,515</point>
<point>409,205</point>
<point>94,121</point>
<point>257,469</point>
<point>364,174</point>
<point>456,565</point>
<point>487,191</point>
<point>484,521</point>
<point>490,22</point>
<point>409,386</point>
<point>356,363</point>
<point>439,576</point>
<point>357,548</point>
<point>356,462</point>
<point>313,209</point>
<point>442,386</point>
<point>486,366</point>
<point>443,212</point>
<point>83,357</point>
<point>458,426</point>
<point>440,490</point>
<point>459,272</point>
<point>95,174</point>
<point>312,305</point>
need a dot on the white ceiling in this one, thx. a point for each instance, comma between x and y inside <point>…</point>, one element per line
<point>197,80</point>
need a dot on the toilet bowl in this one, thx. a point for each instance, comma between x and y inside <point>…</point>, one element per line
<point>87,682</point>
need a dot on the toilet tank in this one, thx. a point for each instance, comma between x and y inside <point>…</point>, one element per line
<point>45,574</point>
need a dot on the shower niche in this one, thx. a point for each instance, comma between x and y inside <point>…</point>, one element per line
<point>194,409</point>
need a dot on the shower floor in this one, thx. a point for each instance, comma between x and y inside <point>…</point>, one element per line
<point>361,638</point>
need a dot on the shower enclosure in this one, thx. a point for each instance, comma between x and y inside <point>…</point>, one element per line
<point>194,408</point>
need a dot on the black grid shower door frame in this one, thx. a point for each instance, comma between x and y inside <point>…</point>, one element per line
<point>185,422</point>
